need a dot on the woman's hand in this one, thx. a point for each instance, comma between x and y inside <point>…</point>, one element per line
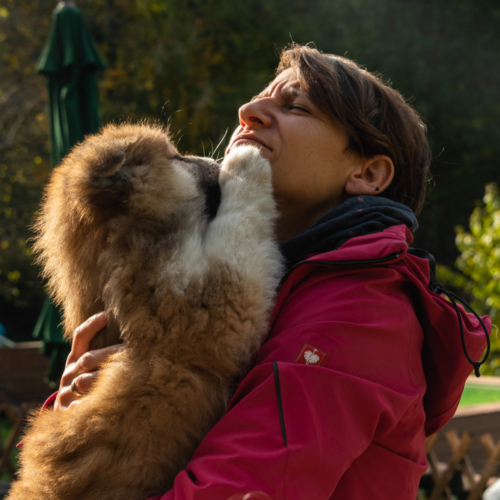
<point>82,365</point>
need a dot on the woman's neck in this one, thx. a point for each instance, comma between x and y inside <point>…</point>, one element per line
<point>293,220</point>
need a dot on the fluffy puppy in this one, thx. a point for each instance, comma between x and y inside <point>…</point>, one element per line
<point>125,227</point>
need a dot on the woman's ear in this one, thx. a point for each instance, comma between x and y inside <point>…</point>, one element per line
<point>371,177</point>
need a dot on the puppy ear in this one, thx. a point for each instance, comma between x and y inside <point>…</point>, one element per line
<point>107,185</point>
<point>109,160</point>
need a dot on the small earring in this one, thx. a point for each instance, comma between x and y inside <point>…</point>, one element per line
<point>377,189</point>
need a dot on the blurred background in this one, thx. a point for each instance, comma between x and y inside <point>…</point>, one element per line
<point>192,63</point>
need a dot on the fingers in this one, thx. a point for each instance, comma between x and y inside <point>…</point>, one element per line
<point>84,334</point>
<point>82,365</point>
<point>92,361</point>
<point>82,384</point>
<point>82,374</point>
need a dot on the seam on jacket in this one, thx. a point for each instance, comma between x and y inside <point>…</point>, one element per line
<point>285,474</point>
<point>392,452</point>
<point>289,298</point>
<point>306,288</point>
<point>280,402</point>
<point>413,314</point>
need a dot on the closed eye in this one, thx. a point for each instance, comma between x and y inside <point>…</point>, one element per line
<point>299,108</point>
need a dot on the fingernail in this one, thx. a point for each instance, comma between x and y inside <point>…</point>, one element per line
<point>101,315</point>
<point>122,346</point>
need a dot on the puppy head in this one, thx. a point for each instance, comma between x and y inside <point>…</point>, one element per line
<point>122,190</point>
<point>136,169</point>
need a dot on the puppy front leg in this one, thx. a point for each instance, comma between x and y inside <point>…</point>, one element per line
<point>242,234</point>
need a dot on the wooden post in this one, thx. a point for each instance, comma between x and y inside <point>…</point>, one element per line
<point>459,448</point>
<point>490,467</point>
<point>433,463</point>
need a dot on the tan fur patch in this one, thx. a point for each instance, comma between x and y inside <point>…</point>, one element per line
<point>123,228</point>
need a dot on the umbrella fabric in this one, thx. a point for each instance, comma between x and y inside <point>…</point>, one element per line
<point>70,61</point>
<point>48,329</point>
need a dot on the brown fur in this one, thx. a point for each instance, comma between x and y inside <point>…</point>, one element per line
<point>123,228</point>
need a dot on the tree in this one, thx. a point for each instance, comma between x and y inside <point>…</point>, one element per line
<point>24,161</point>
<point>479,263</point>
<point>192,63</point>
<point>443,56</point>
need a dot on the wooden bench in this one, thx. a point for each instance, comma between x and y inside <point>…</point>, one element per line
<point>22,388</point>
<point>22,371</point>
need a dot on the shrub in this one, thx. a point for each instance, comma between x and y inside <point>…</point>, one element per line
<point>478,267</point>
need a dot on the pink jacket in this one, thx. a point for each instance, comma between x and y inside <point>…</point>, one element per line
<point>346,387</point>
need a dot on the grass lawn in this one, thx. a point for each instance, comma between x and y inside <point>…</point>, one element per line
<point>4,432</point>
<point>477,394</point>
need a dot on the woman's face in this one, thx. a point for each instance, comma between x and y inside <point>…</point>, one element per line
<point>307,153</point>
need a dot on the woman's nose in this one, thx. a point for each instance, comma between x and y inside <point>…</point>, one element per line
<point>254,113</point>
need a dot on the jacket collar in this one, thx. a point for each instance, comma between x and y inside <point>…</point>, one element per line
<point>390,245</point>
<point>357,216</point>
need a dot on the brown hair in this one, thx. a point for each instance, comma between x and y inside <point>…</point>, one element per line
<point>376,117</point>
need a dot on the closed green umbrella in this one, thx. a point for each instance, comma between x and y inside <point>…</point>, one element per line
<point>70,61</point>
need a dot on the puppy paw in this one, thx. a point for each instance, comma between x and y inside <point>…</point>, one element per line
<point>245,162</point>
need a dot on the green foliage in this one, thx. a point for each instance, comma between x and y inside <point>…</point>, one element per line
<point>24,164</point>
<point>444,56</point>
<point>192,63</point>
<point>479,263</point>
<point>189,63</point>
<point>18,193</point>
<point>5,430</point>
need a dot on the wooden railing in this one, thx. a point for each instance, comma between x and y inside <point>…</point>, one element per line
<point>474,482</point>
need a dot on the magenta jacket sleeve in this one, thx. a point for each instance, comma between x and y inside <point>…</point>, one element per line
<point>352,428</point>
<point>292,434</point>
<point>48,404</point>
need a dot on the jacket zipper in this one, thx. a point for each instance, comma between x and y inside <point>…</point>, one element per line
<point>387,258</point>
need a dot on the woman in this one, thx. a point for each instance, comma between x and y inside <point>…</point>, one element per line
<point>334,406</point>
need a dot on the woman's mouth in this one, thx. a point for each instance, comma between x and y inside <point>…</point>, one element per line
<point>251,140</point>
